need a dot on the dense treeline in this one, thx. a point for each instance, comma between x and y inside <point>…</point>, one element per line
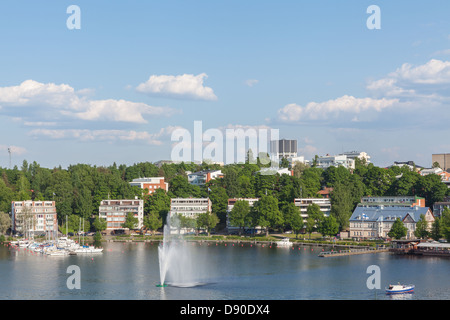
<point>79,189</point>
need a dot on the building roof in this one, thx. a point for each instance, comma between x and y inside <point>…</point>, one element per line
<point>382,213</point>
<point>199,173</point>
<point>434,244</point>
<point>147,179</point>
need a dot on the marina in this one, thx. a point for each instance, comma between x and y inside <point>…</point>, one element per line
<point>60,247</point>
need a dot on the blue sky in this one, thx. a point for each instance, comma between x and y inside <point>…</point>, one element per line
<point>114,90</point>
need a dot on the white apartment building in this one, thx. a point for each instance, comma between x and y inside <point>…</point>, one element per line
<point>356,154</point>
<point>190,207</point>
<point>151,184</point>
<point>202,177</point>
<point>304,203</point>
<point>34,217</point>
<point>115,212</point>
<point>294,160</point>
<point>335,161</point>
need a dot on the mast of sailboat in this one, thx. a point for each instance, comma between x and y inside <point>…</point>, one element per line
<point>83,233</point>
<point>79,227</point>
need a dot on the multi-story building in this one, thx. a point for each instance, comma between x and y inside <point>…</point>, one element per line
<point>427,171</point>
<point>299,159</point>
<point>409,164</point>
<point>283,149</point>
<point>445,177</point>
<point>438,207</point>
<point>202,177</point>
<point>115,212</point>
<point>392,201</point>
<point>357,155</point>
<point>335,161</point>
<point>303,204</point>
<point>151,184</point>
<point>190,207</point>
<point>443,159</point>
<point>376,222</point>
<point>34,217</point>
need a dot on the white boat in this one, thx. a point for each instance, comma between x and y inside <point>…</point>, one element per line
<point>284,243</point>
<point>23,243</point>
<point>57,252</point>
<point>87,249</point>
<point>66,243</point>
<point>400,288</point>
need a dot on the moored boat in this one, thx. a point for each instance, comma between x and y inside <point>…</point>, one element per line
<point>88,249</point>
<point>284,243</point>
<point>400,288</point>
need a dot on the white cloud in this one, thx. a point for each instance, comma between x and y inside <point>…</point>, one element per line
<point>104,135</point>
<point>62,100</point>
<point>432,72</point>
<point>186,86</point>
<point>15,150</point>
<point>322,110</point>
<point>424,81</point>
<point>308,151</point>
<point>408,88</point>
<point>251,82</point>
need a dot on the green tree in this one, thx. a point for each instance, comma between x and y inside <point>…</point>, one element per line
<point>240,214</point>
<point>299,168</point>
<point>431,188</point>
<point>99,224</point>
<point>219,201</point>
<point>284,163</point>
<point>445,224</point>
<point>268,214</point>
<point>6,196</point>
<point>310,226</point>
<point>435,232</point>
<point>341,205</point>
<point>207,221</point>
<point>398,229</point>
<point>180,188</point>
<point>131,222</point>
<point>5,222</point>
<point>157,202</point>
<point>421,228</point>
<point>292,217</point>
<point>329,226</point>
<point>187,223</point>
<point>153,221</point>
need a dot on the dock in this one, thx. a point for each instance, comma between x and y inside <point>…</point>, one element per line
<point>351,252</point>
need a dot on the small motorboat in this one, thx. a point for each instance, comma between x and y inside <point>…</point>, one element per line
<point>400,288</point>
<point>284,243</point>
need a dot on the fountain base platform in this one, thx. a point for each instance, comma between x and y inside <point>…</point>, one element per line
<point>161,285</point>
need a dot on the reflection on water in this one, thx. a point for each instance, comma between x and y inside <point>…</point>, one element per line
<point>401,296</point>
<point>131,271</point>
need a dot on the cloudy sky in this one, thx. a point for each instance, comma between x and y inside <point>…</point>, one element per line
<point>136,71</point>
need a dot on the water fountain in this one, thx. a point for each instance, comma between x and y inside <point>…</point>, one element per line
<point>176,259</point>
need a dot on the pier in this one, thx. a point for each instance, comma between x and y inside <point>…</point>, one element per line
<point>340,253</point>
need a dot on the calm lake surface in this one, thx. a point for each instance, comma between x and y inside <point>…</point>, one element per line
<point>228,272</point>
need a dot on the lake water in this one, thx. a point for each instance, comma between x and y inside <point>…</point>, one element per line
<point>228,272</point>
